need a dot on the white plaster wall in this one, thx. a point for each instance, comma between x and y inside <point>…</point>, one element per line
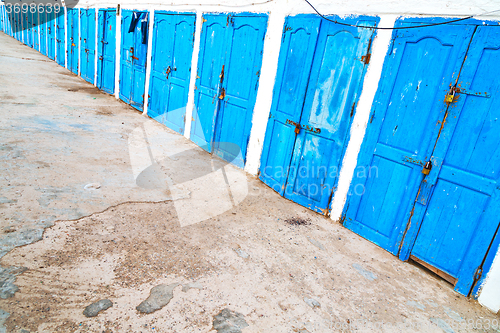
<point>490,291</point>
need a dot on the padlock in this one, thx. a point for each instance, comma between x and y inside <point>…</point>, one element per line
<point>449,98</point>
<point>427,168</point>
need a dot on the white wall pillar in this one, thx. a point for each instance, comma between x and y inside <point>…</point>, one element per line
<point>194,70</point>
<point>149,59</point>
<point>490,291</point>
<point>118,51</point>
<point>272,44</point>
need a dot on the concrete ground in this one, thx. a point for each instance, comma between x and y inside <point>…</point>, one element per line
<point>98,202</point>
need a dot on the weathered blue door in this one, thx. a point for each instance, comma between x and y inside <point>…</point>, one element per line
<point>106,66</point>
<point>445,219</point>
<point>61,39</point>
<point>404,125</point>
<point>313,107</point>
<point>73,39</point>
<point>28,37</point>
<point>51,36</point>
<point>133,57</point>
<point>87,52</point>
<point>171,68</point>
<point>456,212</point>
<point>43,33</point>
<point>34,30</point>
<point>226,87</point>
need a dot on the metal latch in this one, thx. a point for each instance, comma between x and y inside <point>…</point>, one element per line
<point>222,93</point>
<point>427,168</point>
<point>297,128</point>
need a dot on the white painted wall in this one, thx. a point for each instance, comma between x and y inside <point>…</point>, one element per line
<point>387,10</point>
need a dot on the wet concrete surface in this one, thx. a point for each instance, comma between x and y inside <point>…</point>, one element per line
<point>99,202</point>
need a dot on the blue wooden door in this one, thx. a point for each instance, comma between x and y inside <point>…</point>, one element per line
<point>403,127</point>
<point>446,219</point>
<point>27,40</point>
<point>61,39</point>
<point>210,62</point>
<point>228,76</point>
<point>297,50</point>
<point>133,58</point>
<point>34,22</point>
<point>173,40</point>
<point>456,212</point>
<point>73,39</point>
<point>87,52</point>
<point>106,66</point>
<point>313,108</point>
<point>51,36</point>
<point>43,33</point>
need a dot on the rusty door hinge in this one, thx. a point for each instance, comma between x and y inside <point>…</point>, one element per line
<point>366,58</point>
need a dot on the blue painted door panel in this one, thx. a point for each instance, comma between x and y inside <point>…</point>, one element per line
<point>133,60</point>
<point>51,36</point>
<point>404,125</point>
<point>297,50</point>
<point>61,39</point>
<point>43,33</point>
<point>73,39</point>
<point>27,37</point>
<point>34,30</point>
<point>208,83</point>
<point>334,85</point>
<point>173,39</point>
<point>318,102</point>
<point>228,75</point>
<point>87,52</point>
<point>106,66</point>
<point>457,214</point>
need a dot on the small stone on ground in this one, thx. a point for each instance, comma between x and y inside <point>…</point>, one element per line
<point>158,298</point>
<point>241,253</point>
<point>366,274</point>
<point>228,321</point>
<point>93,309</point>
<point>312,302</point>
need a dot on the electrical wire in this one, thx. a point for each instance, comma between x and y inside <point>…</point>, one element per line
<point>397,28</point>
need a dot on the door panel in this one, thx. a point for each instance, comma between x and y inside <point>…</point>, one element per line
<point>51,36</point>
<point>61,39</point>
<point>106,66</point>
<point>171,68</point>
<point>133,60</point>
<point>87,52</point>
<point>335,82</point>
<point>211,59</point>
<point>34,29</point>
<point>73,39</point>
<point>457,225</point>
<point>43,32</point>
<point>297,50</point>
<point>241,77</point>
<point>403,128</point>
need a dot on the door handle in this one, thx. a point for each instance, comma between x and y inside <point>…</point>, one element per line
<point>222,93</point>
<point>135,58</point>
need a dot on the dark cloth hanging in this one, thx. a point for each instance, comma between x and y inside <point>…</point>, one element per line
<point>135,19</point>
<point>145,28</point>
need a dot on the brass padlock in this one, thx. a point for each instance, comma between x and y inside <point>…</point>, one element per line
<point>427,168</point>
<point>450,97</point>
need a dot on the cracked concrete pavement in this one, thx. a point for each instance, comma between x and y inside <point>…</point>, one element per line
<point>99,202</point>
